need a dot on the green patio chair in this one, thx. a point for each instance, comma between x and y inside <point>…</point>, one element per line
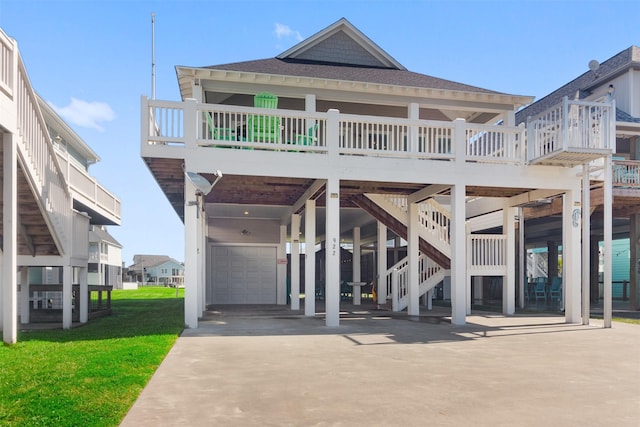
<point>225,134</point>
<point>264,128</point>
<point>311,138</point>
<point>265,100</point>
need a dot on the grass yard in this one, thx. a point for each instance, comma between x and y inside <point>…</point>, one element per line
<point>90,375</point>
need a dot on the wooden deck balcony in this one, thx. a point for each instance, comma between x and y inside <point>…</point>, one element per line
<point>88,191</point>
<point>572,133</point>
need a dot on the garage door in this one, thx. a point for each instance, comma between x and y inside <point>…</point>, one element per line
<point>243,275</point>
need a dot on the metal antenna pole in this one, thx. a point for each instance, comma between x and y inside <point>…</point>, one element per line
<point>153,57</point>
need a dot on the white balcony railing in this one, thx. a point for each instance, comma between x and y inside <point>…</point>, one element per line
<point>182,123</point>
<point>84,184</point>
<point>7,62</point>
<point>577,126</point>
<point>486,254</point>
<point>397,280</point>
<point>39,156</point>
<point>626,173</point>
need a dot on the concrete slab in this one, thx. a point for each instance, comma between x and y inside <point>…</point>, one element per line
<point>269,366</point>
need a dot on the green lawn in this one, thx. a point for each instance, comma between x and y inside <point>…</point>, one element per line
<point>90,375</point>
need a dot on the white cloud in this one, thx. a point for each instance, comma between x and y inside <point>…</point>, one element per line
<point>284,31</point>
<point>86,114</point>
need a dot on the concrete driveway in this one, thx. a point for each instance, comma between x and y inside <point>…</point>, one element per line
<point>270,366</point>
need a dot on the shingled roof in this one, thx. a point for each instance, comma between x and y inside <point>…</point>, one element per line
<point>346,72</point>
<point>579,88</point>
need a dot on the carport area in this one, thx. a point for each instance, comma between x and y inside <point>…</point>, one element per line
<point>270,366</point>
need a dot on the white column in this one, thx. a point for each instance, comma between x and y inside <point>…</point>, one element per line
<point>9,282</point>
<point>608,230</point>
<point>191,238</point>
<point>83,280</point>
<point>25,307</point>
<point>201,257</point>
<point>458,255</point>
<point>413,307</point>
<point>413,113</point>
<point>310,258</point>
<point>586,240</point>
<point>381,280</point>
<point>281,268</point>
<point>509,281</point>
<point>67,297</point>
<point>571,253</point>
<point>295,262</point>
<point>430,299</point>
<point>355,265</point>
<point>332,233</point>
<point>203,260</point>
<point>522,260</point>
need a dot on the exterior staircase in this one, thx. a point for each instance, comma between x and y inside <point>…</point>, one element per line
<point>486,252</point>
<point>41,182</point>
<point>434,242</point>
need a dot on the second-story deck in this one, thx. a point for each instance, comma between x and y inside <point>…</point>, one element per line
<point>573,133</point>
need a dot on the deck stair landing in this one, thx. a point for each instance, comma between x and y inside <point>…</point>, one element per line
<point>389,217</point>
<point>397,280</point>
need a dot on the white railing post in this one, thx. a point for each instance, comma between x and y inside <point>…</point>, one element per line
<point>414,114</point>
<point>522,143</point>
<point>191,122</point>
<point>394,290</point>
<point>333,134</point>
<point>565,123</point>
<point>144,120</point>
<point>460,140</point>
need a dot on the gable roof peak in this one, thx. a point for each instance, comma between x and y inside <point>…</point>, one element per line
<point>342,43</point>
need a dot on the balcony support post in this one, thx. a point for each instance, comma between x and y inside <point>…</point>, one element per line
<point>295,262</point>
<point>281,268</point>
<point>191,307</point>
<point>310,258</point>
<point>83,298</point>
<point>586,240</point>
<point>381,280</point>
<point>67,296</point>
<point>509,280</point>
<point>459,279</point>
<point>608,229</point>
<point>571,256</point>
<point>9,283</point>
<point>332,267</point>
<point>413,304</point>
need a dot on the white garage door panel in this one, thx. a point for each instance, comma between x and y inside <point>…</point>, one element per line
<point>243,275</point>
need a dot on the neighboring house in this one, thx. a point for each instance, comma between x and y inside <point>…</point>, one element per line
<point>334,141</point>
<point>49,203</point>
<point>105,258</point>
<point>157,270</point>
<point>616,79</point>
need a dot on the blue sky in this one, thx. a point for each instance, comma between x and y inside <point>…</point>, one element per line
<point>92,61</point>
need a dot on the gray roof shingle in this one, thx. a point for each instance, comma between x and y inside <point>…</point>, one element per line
<point>331,71</point>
